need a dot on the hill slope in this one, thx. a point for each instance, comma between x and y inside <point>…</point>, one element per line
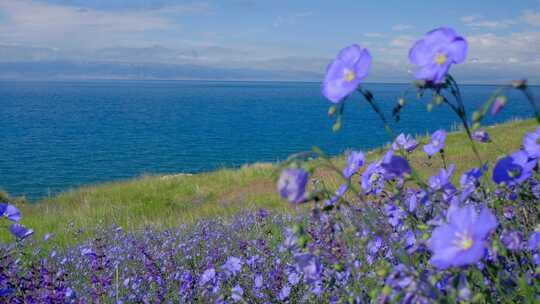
<point>166,201</point>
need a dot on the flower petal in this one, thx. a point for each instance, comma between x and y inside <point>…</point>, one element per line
<point>457,50</point>
<point>351,54</point>
<point>485,223</point>
<point>361,68</point>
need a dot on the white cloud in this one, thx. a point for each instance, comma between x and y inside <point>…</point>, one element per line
<point>478,21</point>
<point>290,19</point>
<point>402,27</point>
<point>35,23</point>
<point>402,41</point>
<point>531,17</point>
<point>519,48</point>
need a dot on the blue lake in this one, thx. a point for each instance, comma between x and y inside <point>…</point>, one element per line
<point>60,135</point>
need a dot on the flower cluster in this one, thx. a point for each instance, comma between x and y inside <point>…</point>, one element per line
<point>14,215</point>
<point>385,235</point>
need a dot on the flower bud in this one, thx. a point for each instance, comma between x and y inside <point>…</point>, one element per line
<point>337,126</point>
<point>520,84</point>
<point>331,111</point>
<point>401,101</point>
<point>429,107</point>
<point>438,99</point>
<point>476,116</point>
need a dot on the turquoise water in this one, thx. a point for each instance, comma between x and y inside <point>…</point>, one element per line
<point>60,135</point>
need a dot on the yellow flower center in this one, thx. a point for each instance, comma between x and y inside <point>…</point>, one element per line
<point>440,58</point>
<point>349,75</point>
<point>464,241</point>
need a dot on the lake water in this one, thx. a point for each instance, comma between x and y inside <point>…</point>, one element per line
<point>60,135</point>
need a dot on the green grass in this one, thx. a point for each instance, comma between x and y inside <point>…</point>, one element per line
<point>173,200</point>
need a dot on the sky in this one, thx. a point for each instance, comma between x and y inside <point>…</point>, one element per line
<point>297,38</point>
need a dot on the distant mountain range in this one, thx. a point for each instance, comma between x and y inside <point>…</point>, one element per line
<point>208,63</point>
<point>61,70</point>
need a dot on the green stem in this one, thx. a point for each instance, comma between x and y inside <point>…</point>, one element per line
<point>369,98</point>
<point>461,113</point>
<point>532,101</point>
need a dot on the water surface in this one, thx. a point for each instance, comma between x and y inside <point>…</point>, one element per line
<point>60,135</point>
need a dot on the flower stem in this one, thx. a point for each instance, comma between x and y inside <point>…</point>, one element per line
<point>371,100</point>
<point>532,101</point>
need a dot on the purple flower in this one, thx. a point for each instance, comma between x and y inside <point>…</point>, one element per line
<point>395,214</point>
<point>292,184</point>
<point>461,241</point>
<point>437,143</point>
<point>436,52</point>
<point>442,181</point>
<point>236,293</point>
<point>10,211</point>
<point>481,136</point>
<point>534,241</point>
<point>470,180</point>
<point>20,231</point>
<point>207,276</point>
<point>472,176</point>
<point>405,142</point>
<point>512,239</point>
<point>394,166</point>
<point>284,293</point>
<point>233,265</point>
<point>355,161</point>
<point>293,278</point>
<point>513,169</point>
<point>346,72</point>
<point>258,281</point>
<point>47,236</point>
<point>531,144</point>
<point>373,179</point>
<point>309,265</point>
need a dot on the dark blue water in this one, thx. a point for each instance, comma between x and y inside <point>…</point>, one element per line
<point>59,135</point>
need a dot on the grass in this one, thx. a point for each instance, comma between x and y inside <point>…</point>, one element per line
<point>168,201</point>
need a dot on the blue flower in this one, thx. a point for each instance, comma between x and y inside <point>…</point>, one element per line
<point>207,276</point>
<point>345,73</point>
<point>512,239</point>
<point>405,142</point>
<point>437,143</point>
<point>534,241</point>
<point>481,136</point>
<point>292,185</point>
<point>236,293</point>
<point>309,265</point>
<point>233,265</point>
<point>355,161</point>
<point>284,293</point>
<point>20,231</point>
<point>436,52</point>
<point>461,241</point>
<point>373,178</point>
<point>442,181</point>
<point>470,180</point>
<point>531,144</point>
<point>394,166</point>
<point>513,169</point>
<point>10,211</point>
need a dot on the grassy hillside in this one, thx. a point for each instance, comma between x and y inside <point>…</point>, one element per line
<point>166,201</point>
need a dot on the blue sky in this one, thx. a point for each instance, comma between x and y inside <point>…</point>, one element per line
<point>504,36</point>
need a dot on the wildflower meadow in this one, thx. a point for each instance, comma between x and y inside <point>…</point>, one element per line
<point>385,235</point>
